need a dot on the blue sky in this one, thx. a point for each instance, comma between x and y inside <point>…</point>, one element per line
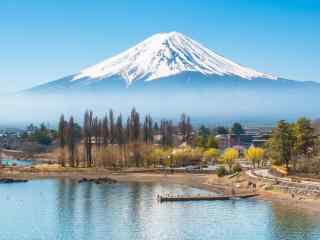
<point>42,41</point>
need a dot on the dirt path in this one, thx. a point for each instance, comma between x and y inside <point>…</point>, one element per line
<point>265,173</point>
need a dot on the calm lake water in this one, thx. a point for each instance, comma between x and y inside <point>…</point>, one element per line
<point>21,163</point>
<point>64,209</point>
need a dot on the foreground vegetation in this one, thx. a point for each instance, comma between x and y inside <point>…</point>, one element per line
<point>108,142</point>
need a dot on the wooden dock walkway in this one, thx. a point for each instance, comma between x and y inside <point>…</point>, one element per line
<point>169,198</point>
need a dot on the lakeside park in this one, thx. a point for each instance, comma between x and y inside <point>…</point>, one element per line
<point>222,164</point>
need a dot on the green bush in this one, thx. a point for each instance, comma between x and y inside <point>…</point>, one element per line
<point>221,171</point>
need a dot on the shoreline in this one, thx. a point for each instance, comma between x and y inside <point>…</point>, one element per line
<point>206,182</point>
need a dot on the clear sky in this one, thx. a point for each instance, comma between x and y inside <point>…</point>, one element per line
<point>42,40</point>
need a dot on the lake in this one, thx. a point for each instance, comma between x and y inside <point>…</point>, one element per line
<point>20,163</point>
<point>65,210</point>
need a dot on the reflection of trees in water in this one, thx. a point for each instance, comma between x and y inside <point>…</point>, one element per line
<point>134,203</point>
<point>84,208</point>
<point>75,209</point>
<point>87,210</point>
<point>288,221</point>
<point>66,206</point>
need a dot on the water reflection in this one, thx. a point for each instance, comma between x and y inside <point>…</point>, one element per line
<point>64,209</point>
<point>287,222</point>
<point>66,196</point>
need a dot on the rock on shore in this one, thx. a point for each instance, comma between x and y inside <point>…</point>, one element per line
<point>98,180</point>
<point>11,180</point>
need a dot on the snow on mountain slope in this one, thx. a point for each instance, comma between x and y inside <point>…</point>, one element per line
<point>163,55</point>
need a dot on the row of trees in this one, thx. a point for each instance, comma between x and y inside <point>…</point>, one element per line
<point>69,135</point>
<point>111,139</point>
<point>236,129</point>
<point>137,141</point>
<point>206,137</point>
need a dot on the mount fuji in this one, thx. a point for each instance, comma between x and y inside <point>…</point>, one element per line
<point>170,73</point>
<point>164,55</point>
<point>165,60</point>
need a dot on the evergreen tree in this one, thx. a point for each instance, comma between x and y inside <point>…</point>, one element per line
<point>135,135</point>
<point>305,140</point>
<point>183,126</point>
<point>112,127</point>
<point>128,131</point>
<point>189,130</point>
<point>237,129</point>
<point>204,131</point>
<point>281,143</point>
<point>87,132</point>
<point>305,137</point>
<point>221,130</point>
<point>156,127</point>
<point>100,132</point>
<point>62,138</point>
<point>119,131</point>
<point>61,131</point>
<point>148,130</point>
<point>120,135</point>
<point>105,131</point>
<point>95,131</point>
<point>71,141</point>
<point>166,131</point>
<point>135,125</point>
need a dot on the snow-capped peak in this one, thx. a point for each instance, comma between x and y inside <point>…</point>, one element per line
<point>163,55</point>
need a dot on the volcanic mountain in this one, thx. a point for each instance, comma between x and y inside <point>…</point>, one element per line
<point>171,60</point>
<point>170,73</point>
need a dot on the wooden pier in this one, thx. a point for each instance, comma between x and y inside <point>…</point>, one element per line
<point>169,198</point>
